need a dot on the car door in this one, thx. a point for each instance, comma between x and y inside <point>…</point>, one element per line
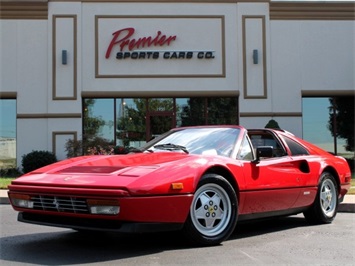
<point>271,184</point>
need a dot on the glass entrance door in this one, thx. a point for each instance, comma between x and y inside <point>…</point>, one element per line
<point>160,116</point>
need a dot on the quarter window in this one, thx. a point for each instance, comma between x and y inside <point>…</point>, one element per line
<point>295,148</point>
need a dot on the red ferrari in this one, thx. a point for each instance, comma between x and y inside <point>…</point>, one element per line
<point>200,180</point>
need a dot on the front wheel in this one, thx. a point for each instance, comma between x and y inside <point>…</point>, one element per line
<point>213,212</point>
<point>324,208</point>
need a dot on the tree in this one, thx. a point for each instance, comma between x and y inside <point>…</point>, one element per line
<point>341,119</point>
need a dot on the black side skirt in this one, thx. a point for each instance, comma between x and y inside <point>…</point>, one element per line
<point>264,215</point>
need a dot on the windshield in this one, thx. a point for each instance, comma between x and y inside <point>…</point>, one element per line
<point>213,141</point>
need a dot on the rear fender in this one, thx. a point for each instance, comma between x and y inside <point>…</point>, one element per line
<point>335,174</point>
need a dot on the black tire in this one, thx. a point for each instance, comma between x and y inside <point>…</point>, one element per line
<point>325,206</point>
<point>213,212</point>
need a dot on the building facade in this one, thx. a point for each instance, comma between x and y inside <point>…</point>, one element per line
<point>126,71</point>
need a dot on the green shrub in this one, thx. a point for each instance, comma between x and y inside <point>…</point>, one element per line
<point>37,159</point>
<point>351,162</point>
<point>272,124</point>
<point>10,172</point>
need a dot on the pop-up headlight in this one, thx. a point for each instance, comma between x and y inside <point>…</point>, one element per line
<point>105,207</point>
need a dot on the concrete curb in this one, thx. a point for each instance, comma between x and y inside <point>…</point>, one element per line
<point>346,207</point>
<point>348,204</point>
<point>4,199</point>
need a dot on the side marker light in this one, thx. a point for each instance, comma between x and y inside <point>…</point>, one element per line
<point>177,186</point>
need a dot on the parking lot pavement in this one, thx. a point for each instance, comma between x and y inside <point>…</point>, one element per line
<point>348,204</point>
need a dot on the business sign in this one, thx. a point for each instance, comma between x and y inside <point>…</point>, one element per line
<point>159,46</point>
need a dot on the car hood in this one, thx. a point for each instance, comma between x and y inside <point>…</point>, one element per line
<point>136,173</point>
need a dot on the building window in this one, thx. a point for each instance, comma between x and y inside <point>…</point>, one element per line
<point>98,126</point>
<point>222,111</point>
<point>130,122</point>
<point>328,122</point>
<point>7,133</point>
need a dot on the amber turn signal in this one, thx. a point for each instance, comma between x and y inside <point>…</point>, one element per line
<point>177,186</point>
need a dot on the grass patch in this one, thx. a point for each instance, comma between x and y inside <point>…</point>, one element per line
<point>7,175</point>
<point>352,188</point>
<point>5,181</point>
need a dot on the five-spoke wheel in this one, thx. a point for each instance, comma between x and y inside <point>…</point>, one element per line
<point>324,208</point>
<point>213,212</point>
<point>328,197</point>
<point>210,209</point>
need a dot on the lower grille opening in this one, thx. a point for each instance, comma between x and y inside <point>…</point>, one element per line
<point>60,204</point>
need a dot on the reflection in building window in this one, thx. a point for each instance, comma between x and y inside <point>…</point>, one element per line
<point>7,133</point>
<point>329,123</point>
<point>208,111</point>
<point>130,122</point>
<point>222,111</point>
<point>98,137</point>
<point>193,112</point>
<point>161,104</point>
<point>181,108</point>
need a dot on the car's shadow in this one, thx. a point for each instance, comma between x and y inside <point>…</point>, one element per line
<point>265,226</point>
<point>70,247</point>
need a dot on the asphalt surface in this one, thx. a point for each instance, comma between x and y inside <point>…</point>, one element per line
<point>281,241</point>
<point>286,241</point>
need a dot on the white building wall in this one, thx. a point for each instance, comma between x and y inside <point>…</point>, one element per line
<point>179,84</point>
<point>30,66</point>
<point>309,56</point>
<point>24,71</point>
<point>68,78</point>
<point>32,134</point>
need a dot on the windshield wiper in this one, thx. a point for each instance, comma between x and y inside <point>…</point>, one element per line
<point>171,147</point>
<point>135,150</point>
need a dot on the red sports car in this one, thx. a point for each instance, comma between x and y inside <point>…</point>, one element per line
<point>200,180</point>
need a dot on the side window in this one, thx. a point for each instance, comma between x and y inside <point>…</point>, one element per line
<point>246,152</point>
<point>295,148</point>
<point>266,139</point>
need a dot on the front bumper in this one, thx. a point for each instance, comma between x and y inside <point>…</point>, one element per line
<point>97,224</point>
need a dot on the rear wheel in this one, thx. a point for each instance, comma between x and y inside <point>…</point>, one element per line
<point>324,208</point>
<point>213,212</point>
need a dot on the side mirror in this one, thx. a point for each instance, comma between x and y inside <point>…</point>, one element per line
<point>263,152</point>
